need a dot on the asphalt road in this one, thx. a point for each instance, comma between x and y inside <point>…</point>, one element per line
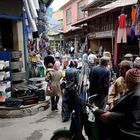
<point>36,127</point>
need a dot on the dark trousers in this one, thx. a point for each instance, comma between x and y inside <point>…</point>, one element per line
<point>68,104</point>
<point>54,102</point>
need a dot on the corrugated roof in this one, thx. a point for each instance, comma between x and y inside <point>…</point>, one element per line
<point>108,8</point>
<point>120,3</point>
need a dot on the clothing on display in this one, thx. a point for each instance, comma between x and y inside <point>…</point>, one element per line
<point>122,20</point>
<point>32,8</point>
<point>133,15</point>
<point>122,36</point>
<point>32,21</point>
<point>36,4</point>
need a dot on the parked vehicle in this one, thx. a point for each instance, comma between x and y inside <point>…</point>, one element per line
<point>83,116</point>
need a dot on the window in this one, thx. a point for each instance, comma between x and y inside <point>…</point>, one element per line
<point>80,13</point>
<point>68,16</point>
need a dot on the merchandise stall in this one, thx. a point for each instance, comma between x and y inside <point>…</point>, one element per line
<point>15,20</point>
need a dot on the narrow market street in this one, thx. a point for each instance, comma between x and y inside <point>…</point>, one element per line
<point>36,127</point>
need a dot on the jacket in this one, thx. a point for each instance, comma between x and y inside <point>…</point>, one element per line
<point>126,111</point>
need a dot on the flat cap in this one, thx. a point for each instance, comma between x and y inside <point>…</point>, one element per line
<point>106,58</point>
<point>128,55</point>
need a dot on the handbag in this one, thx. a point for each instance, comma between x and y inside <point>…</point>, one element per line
<point>50,89</point>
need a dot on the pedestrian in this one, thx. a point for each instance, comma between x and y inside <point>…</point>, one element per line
<point>118,88</point>
<point>54,76</point>
<point>49,59</point>
<point>68,99</point>
<point>91,58</point>
<point>99,82</point>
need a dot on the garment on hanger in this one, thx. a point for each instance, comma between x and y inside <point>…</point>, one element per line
<point>133,15</point>
<point>121,36</point>
<point>122,20</point>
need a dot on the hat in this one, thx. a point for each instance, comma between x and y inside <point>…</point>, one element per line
<point>105,58</point>
<point>133,75</point>
<point>128,55</point>
<point>137,60</point>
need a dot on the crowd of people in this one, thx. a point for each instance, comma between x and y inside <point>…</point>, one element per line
<point>117,92</point>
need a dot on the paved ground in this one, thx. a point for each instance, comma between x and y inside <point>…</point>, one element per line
<point>36,127</point>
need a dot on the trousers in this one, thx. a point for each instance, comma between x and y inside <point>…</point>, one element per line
<point>121,36</point>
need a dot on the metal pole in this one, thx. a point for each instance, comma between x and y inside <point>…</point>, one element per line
<point>112,43</point>
<point>25,49</point>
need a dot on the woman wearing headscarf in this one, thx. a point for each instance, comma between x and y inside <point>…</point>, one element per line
<point>68,99</point>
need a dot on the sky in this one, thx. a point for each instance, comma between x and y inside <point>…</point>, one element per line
<point>57,4</point>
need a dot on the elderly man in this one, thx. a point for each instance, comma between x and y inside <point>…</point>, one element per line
<point>125,113</point>
<point>118,88</point>
<point>99,82</point>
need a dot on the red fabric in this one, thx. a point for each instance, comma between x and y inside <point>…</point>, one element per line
<point>122,21</point>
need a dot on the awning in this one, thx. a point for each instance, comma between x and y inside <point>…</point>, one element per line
<point>97,3</point>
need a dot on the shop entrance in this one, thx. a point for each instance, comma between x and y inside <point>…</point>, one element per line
<point>6,34</point>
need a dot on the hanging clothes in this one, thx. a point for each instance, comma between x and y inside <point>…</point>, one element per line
<point>36,4</point>
<point>133,15</point>
<point>122,21</point>
<point>138,28</point>
<point>132,34</point>
<point>32,21</point>
<point>122,35</point>
<point>32,8</point>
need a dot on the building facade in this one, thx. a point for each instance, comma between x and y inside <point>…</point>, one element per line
<point>102,22</point>
<point>72,12</point>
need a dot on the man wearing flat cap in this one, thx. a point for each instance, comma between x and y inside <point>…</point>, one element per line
<point>128,57</point>
<point>99,82</point>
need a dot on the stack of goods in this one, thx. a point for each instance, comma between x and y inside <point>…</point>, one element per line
<point>5,77</point>
<point>16,66</point>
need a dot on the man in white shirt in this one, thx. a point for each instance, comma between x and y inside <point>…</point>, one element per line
<point>92,59</point>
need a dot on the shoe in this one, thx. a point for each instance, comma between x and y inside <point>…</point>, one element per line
<point>65,120</point>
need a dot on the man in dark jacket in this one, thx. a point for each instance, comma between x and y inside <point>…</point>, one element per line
<point>125,113</point>
<point>99,82</point>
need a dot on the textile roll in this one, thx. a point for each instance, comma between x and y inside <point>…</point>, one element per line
<point>32,8</point>
<point>32,21</point>
<point>36,4</point>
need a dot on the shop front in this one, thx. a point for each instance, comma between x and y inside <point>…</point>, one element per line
<point>16,91</point>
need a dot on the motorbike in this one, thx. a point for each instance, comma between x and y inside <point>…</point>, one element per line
<point>82,117</point>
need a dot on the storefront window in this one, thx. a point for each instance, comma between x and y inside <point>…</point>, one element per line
<point>68,16</point>
<point>80,6</point>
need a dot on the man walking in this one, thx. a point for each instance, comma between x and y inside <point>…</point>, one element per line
<point>99,82</point>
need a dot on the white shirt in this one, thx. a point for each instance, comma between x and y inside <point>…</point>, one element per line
<point>92,58</point>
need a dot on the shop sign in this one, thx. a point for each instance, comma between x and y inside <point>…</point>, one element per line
<point>104,34</point>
